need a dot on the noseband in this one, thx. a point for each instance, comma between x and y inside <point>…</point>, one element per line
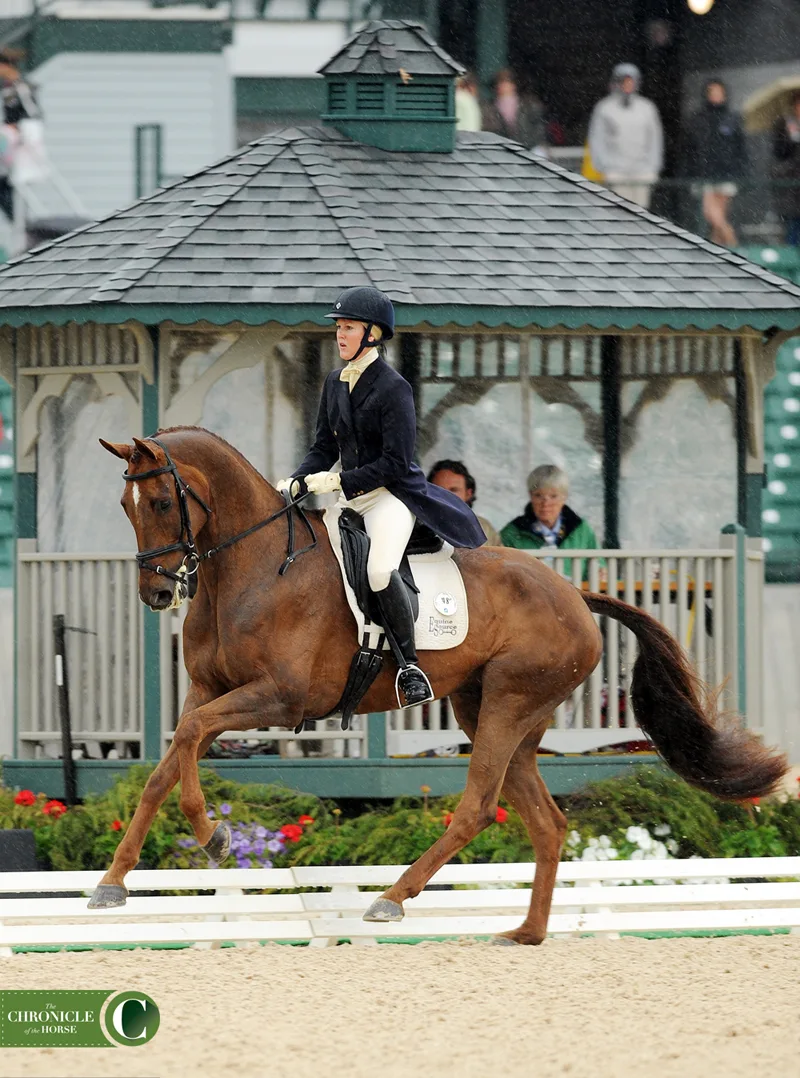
<point>186,542</point>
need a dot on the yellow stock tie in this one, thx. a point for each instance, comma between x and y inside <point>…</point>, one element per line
<point>356,367</point>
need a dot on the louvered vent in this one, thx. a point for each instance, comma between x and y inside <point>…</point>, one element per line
<point>419,99</point>
<point>370,98</point>
<point>337,97</point>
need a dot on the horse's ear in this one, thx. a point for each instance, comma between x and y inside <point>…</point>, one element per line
<point>119,449</point>
<point>144,449</point>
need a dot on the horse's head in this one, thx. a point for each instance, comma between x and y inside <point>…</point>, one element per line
<point>167,504</point>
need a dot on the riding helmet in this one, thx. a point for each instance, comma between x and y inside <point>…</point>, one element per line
<point>366,304</point>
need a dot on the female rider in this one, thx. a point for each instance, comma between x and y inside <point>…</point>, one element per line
<point>367,420</point>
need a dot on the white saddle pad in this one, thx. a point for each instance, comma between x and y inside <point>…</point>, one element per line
<point>443,620</point>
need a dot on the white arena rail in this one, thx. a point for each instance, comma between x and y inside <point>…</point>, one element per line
<point>487,903</point>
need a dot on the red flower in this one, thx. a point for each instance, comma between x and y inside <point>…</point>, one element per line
<point>116,825</point>
<point>448,818</point>
<point>292,831</point>
<point>25,797</point>
<point>54,808</point>
<point>305,820</point>
<point>502,815</point>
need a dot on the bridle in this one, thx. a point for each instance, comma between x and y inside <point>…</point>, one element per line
<point>186,541</point>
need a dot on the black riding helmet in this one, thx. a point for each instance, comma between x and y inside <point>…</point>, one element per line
<point>366,304</point>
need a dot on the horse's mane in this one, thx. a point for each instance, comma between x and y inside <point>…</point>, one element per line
<point>217,438</point>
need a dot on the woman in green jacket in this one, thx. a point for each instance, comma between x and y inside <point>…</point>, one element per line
<point>547,520</point>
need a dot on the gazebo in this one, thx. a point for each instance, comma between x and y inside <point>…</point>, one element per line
<point>541,317</point>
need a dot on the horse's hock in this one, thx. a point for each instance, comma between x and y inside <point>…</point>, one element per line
<point>635,354</point>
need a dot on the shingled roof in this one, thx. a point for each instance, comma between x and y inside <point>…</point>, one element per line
<point>385,48</point>
<point>490,234</point>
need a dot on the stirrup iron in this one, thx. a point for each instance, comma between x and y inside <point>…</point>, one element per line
<point>424,693</point>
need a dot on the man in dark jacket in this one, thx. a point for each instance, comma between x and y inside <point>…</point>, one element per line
<point>367,420</point>
<point>786,170</point>
<point>717,155</point>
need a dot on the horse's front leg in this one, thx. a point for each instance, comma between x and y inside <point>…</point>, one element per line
<point>111,890</point>
<point>241,709</point>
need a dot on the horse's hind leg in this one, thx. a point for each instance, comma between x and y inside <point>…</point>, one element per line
<point>525,790</point>
<point>502,725</point>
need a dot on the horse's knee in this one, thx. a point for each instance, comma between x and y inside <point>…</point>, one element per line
<point>188,733</point>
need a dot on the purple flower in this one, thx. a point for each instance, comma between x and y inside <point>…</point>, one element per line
<point>261,832</point>
<point>243,862</point>
<point>186,843</point>
<point>210,814</point>
<point>275,846</point>
<point>259,846</point>
<point>225,809</point>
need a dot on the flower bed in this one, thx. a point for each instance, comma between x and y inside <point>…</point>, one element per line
<point>647,815</point>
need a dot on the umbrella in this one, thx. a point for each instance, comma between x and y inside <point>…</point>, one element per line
<point>766,105</point>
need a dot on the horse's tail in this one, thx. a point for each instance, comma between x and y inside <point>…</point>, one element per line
<point>679,714</point>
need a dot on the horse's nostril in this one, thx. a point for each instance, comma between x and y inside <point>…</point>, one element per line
<point>161,598</point>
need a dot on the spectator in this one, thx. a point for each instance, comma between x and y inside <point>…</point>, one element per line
<point>716,154</point>
<point>468,106</point>
<point>626,141</point>
<point>786,167</point>
<point>516,117</point>
<point>547,521</point>
<point>452,475</point>
<point>17,97</point>
<point>18,104</point>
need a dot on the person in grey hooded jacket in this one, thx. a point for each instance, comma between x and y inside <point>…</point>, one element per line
<point>626,139</point>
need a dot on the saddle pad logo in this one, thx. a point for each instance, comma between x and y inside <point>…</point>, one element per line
<point>445,604</point>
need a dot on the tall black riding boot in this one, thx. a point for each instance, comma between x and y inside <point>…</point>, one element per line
<point>412,686</point>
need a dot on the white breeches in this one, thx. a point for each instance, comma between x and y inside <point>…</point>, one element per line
<point>389,525</point>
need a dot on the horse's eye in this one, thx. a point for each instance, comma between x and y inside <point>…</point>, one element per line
<point>165,504</point>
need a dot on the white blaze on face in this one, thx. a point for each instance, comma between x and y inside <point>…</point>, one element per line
<point>137,494</point>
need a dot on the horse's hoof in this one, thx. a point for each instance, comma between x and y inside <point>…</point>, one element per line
<point>503,941</point>
<point>219,845</point>
<point>383,909</point>
<point>107,895</point>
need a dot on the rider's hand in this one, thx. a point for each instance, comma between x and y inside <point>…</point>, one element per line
<point>323,482</point>
<point>290,486</point>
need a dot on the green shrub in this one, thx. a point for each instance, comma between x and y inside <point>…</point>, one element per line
<point>690,822</point>
<point>650,798</point>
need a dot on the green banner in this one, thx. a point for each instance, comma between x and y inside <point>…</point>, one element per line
<point>36,1018</point>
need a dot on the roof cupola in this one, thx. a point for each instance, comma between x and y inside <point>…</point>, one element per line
<point>391,86</point>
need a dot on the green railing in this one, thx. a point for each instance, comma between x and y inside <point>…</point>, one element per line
<point>6,487</point>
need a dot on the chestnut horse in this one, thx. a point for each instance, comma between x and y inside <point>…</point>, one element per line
<point>264,649</point>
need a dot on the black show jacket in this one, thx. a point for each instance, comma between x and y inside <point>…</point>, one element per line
<point>374,431</point>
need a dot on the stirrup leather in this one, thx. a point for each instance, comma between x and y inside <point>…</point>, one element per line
<point>422,692</point>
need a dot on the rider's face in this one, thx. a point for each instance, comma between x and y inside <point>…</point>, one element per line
<point>348,337</point>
